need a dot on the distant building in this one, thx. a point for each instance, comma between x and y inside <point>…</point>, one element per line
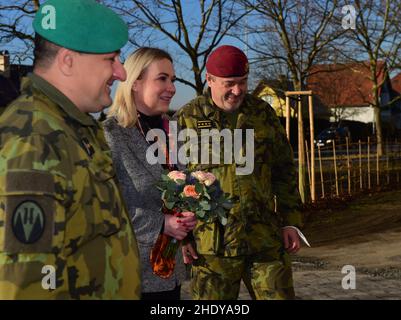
<point>346,90</point>
<point>341,92</point>
<point>273,92</point>
<point>10,79</point>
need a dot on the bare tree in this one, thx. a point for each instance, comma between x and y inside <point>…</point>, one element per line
<point>193,29</point>
<point>377,35</point>
<point>15,30</point>
<point>294,34</point>
<point>36,4</point>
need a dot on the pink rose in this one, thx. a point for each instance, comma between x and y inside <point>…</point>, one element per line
<point>210,179</point>
<point>189,191</point>
<point>206,178</point>
<point>199,175</point>
<point>176,175</point>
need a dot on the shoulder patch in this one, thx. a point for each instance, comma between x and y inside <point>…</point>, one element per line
<point>28,222</point>
<point>29,212</point>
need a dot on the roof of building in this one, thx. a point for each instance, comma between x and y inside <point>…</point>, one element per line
<point>345,85</point>
<point>278,85</point>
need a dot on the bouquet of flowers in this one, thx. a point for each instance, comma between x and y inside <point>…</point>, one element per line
<point>198,192</point>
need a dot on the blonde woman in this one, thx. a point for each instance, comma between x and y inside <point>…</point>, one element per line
<point>140,105</point>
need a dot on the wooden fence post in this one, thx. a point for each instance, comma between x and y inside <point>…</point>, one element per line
<point>301,153</point>
<point>360,165</point>
<point>387,163</point>
<point>308,166</point>
<point>369,185</point>
<point>348,167</point>
<point>321,170</point>
<point>397,157</point>
<point>335,167</point>
<point>377,167</point>
<point>312,148</point>
<point>287,116</point>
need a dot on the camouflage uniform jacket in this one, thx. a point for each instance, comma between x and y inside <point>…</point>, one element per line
<point>60,206</point>
<point>253,226</point>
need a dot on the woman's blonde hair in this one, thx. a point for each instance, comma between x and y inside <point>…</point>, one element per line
<point>123,107</point>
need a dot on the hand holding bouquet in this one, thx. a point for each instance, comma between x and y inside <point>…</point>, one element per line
<point>198,192</point>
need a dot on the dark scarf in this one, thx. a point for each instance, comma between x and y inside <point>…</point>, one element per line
<point>150,122</point>
<point>153,122</point>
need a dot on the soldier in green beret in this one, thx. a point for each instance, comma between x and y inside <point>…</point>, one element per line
<point>64,229</point>
<point>255,243</point>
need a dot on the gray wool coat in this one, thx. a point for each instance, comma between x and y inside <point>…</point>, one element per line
<point>138,181</point>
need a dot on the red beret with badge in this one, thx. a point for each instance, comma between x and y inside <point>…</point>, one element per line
<point>227,61</point>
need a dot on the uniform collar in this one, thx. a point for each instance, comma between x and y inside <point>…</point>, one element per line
<point>61,100</point>
<point>210,110</point>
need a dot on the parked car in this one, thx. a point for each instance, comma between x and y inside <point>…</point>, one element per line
<point>338,134</point>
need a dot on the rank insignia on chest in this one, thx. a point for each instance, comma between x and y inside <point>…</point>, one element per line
<point>88,147</point>
<point>204,124</point>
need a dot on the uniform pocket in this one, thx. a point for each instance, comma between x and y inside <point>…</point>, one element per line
<point>102,198</point>
<point>208,237</point>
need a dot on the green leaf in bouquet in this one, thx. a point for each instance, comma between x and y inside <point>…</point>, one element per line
<point>180,181</point>
<point>223,220</point>
<point>206,194</point>
<point>200,214</point>
<point>205,205</point>
<point>171,185</point>
<point>169,205</point>
<point>192,208</point>
<point>185,205</point>
<point>222,216</point>
<point>198,188</point>
<point>227,205</point>
<point>168,194</point>
<point>165,177</point>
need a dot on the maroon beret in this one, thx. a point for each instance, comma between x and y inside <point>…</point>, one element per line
<point>227,61</point>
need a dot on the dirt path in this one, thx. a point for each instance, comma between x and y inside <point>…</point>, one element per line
<point>366,234</point>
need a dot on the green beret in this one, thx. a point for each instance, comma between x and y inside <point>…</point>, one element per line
<point>81,25</point>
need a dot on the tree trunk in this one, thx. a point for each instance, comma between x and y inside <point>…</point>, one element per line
<point>198,83</point>
<point>377,115</point>
<point>36,4</point>
<point>379,133</point>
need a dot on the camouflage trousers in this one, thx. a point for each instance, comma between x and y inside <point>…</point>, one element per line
<point>267,276</point>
